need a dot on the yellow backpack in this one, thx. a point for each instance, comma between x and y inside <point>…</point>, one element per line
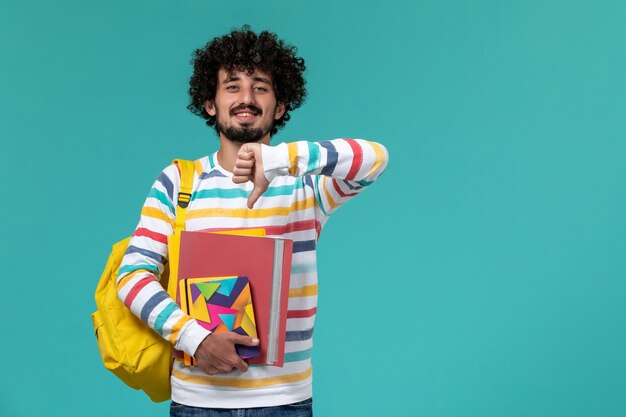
<point>129,348</point>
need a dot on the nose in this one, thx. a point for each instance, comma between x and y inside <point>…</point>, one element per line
<point>246,96</point>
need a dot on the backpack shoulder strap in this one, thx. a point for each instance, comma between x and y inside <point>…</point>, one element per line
<point>184,197</point>
<point>184,194</point>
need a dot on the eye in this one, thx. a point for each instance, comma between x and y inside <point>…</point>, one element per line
<point>231,87</point>
<point>262,89</point>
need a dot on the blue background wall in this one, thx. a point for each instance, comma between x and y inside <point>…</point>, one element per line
<point>498,226</point>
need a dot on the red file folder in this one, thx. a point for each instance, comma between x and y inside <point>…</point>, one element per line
<point>266,261</point>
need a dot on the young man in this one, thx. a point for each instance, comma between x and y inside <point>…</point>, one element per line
<point>245,85</point>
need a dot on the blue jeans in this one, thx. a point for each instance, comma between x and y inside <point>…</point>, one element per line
<point>299,409</point>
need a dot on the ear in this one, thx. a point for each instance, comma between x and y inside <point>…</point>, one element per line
<point>280,110</point>
<point>209,106</point>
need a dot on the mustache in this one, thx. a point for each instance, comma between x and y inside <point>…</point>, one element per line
<point>252,107</point>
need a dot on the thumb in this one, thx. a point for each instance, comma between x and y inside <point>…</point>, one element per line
<point>254,196</point>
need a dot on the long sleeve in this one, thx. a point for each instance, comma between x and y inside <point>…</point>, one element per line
<point>340,168</point>
<point>143,264</point>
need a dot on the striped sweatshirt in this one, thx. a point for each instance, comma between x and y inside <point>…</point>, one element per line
<point>308,181</point>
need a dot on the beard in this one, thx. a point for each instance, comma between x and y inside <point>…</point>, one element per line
<point>240,134</point>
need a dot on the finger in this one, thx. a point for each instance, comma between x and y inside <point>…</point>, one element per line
<point>241,179</point>
<point>245,340</point>
<point>239,364</point>
<point>212,371</point>
<point>242,172</point>
<point>244,163</point>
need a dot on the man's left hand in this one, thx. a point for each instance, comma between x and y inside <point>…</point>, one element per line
<point>249,167</point>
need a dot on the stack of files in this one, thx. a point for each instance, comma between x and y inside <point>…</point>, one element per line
<point>265,261</point>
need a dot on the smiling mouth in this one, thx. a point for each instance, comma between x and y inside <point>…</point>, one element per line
<point>245,115</point>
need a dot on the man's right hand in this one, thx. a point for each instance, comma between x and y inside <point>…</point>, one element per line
<point>216,353</point>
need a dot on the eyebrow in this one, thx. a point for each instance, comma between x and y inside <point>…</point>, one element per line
<point>257,78</point>
<point>230,78</point>
<point>261,79</point>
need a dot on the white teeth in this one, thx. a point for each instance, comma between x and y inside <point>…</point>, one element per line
<point>245,114</point>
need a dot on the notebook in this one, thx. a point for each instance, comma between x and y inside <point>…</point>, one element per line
<point>221,304</point>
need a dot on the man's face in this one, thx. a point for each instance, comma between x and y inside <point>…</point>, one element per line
<point>245,106</point>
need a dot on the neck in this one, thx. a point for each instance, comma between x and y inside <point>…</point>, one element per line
<point>227,154</point>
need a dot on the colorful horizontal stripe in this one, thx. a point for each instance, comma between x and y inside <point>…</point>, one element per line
<point>166,183</point>
<point>270,230</point>
<point>314,156</point>
<point>229,193</point>
<point>155,256</point>
<point>301,314</point>
<point>298,356</point>
<point>329,197</point>
<point>128,301</point>
<point>340,191</point>
<point>212,174</point>
<point>331,158</point>
<point>157,237</point>
<point>152,302</point>
<point>293,158</point>
<point>302,268</point>
<point>298,335</point>
<point>357,159</point>
<point>162,198</point>
<point>305,291</point>
<point>243,383</point>
<point>318,197</point>
<point>303,245</point>
<point>163,316</point>
<point>127,269</point>
<point>250,213</point>
<point>176,328</point>
<point>157,214</point>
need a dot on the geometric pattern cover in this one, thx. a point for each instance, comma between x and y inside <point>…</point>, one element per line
<point>223,304</point>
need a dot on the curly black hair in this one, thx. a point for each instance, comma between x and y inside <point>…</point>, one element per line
<point>240,50</point>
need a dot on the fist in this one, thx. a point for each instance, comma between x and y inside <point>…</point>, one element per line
<point>249,167</point>
<point>216,354</point>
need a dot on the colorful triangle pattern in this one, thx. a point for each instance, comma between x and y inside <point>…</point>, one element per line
<point>225,306</point>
